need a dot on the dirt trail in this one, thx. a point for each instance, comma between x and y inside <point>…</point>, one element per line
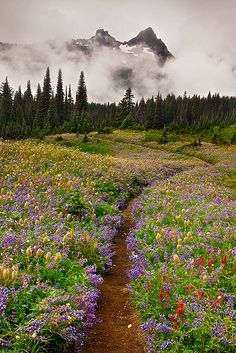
<point>115,310</point>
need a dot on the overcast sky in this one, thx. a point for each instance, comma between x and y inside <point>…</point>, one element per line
<point>178,22</point>
<point>200,33</point>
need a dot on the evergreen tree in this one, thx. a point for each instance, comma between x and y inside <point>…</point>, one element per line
<point>170,109</point>
<point>37,107</point>
<point>73,125</point>
<point>70,100</point>
<point>118,118</point>
<point>66,105</point>
<point>127,104</point>
<point>69,103</point>
<point>128,122</point>
<point>45,99</point>
<point>52,117</point>
<point>28,106</point>
<point>18,127</point>
<point>85,124</point>
<point>28,97</point>
<point>38,96</point>
<point>81,103</point>
<point>141,112</point>
<point>18,97</point>
<point>150,113</point>
<point>183,113</point>
<point>6,118</point>
<point>158,121</point>
<point>59,99</point>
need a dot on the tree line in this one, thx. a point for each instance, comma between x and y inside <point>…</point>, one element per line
<point>24,115</point>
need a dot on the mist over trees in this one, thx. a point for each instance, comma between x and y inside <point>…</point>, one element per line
<point>23,115</point>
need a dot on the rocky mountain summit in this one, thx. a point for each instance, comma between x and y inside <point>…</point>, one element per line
<point>145,42</point>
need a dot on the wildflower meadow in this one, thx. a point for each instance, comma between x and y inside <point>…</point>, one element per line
<point>60,210</point>
<point>183,252</point>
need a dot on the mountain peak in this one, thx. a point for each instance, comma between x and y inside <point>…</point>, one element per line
<point>149,38</point>
<point>145,41</point>
<point>102,37</point>
<point>148,32</point>
<point>146,36</point>
<point>102,32</point>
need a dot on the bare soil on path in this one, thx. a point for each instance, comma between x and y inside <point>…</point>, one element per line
<point>119,330</point>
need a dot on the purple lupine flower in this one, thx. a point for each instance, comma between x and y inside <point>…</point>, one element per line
<point>4,298</point>
<point>219,330</point>
<point>166,344</point>
<point>164,328</point>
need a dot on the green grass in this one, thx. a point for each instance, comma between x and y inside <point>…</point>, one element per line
<point>95,147</point>
<point>157,136</point>
<point>224,135</point>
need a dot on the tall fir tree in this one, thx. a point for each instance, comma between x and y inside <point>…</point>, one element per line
<point>37,107</point>
<point>150,113</point>
<point>59,100</point>
<point>70,103</point>
<point>81,103</point>
<point>69,110</point>
<point>158,121</point>
<point>6,118</point>
<point>118,118</point>
<point>28,92</point>
<point>141,112</point>
<point>127,104</point>
<point>66,105</point>
<point>170,108</point>
<point>28,106</point>
<point>38,95</point>
<point>52,117</point>
<point>45,99</point>
<point>19,128</point>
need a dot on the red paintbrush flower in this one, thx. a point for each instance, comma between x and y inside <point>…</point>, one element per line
<point>224,260</point>
<point>175,326</point>
<point>180,304</point>
<point>200,294</point>
<point>188,287</point>
<point>180,309</point>
<point>215,304</point>
<point>220,297</point>
<point>172,318</point>
<point>210,262</point>
<point>200,261</point>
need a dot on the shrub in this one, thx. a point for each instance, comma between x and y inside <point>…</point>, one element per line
<point>105,130</point>
<point>76,204</point>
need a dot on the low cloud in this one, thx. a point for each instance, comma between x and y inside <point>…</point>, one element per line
<point>107,72</point>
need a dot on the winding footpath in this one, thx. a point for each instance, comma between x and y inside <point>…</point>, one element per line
<point>119,328</point>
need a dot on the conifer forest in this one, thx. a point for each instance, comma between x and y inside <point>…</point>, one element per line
<point>24,115</point>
